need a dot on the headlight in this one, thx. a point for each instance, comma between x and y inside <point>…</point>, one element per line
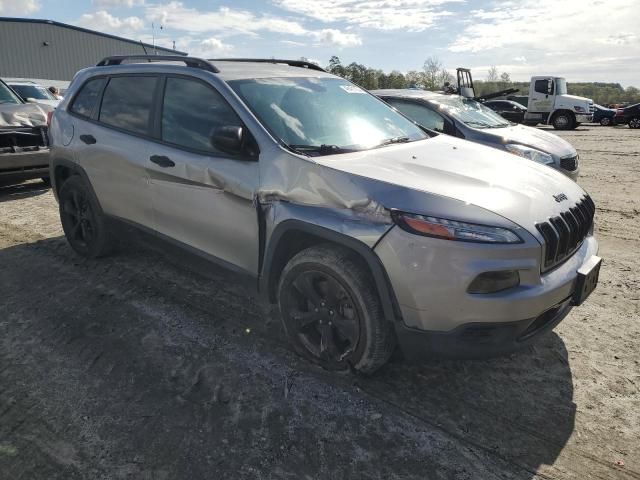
<point>452,229</point>
<point>579,109</point>
<point>530,153</point>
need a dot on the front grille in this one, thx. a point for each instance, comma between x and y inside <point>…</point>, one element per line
<point>564,234</point>
<point>569,163</point>
<point>16,138</point>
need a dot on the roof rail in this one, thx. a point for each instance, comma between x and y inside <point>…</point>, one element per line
<point>188,61</point>
<point>291,63</point>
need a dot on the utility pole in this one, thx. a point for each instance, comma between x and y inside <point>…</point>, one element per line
<point>153,36</point>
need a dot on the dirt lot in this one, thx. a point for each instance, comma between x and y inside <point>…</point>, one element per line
<point>136,366</point>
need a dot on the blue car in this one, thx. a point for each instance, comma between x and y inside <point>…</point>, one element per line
<point>603,116</point>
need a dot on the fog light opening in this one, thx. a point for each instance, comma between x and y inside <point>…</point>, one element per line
<point>492,282</point>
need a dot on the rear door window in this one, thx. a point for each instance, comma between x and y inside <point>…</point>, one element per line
<point>88,97</point>
<point>127,103</point>
<point>420,114</point>
<point>191,111</point>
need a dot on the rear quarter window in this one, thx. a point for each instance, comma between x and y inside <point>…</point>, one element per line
<point>127,102</point>
<point>88,96</point>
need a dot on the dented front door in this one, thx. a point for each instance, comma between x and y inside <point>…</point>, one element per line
<point>200,197</point>
<point>207,203</point>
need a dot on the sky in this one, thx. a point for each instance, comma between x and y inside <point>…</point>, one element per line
<point>582,40</point>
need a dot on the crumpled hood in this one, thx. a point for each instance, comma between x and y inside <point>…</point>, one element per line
<point>22,115</point>
<point>535,138</point>
<point>513,187</point>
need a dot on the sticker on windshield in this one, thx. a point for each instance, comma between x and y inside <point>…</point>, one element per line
<point>351,89</point>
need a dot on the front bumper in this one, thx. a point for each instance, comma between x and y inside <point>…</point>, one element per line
<point>24,165</point>
<point>479,340</point>
<point>584,117</point>
<point>620,120</point>
<point>430,278</point>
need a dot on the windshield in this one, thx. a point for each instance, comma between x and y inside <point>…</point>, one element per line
<point>323,116</point>
<point>561,86</point>
<point>470,112</point>
<point>7,96</point>
<point>33,91</point>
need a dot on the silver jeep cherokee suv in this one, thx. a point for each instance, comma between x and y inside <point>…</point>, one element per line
<point>365,229</point>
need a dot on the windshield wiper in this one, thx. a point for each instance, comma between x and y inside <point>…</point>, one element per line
<point>391,141</point>
<point>319,149</point>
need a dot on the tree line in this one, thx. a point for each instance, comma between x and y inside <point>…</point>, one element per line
<point>433,76</point>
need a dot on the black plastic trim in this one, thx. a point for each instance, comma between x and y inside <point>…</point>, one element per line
<point>478,340</point>
<point>383,284</point>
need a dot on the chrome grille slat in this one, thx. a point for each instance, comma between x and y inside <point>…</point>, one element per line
<point>563,234</point>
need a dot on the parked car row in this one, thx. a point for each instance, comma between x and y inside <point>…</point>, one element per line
<point>366,228</point>
<point>515,112</point>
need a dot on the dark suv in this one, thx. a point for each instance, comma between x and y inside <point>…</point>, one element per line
<point>629,115</point>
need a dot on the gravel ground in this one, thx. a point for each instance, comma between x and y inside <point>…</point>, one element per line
<point>150,365</point>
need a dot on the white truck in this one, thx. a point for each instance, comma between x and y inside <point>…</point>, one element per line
<point>547,103</point>
<point>550,104</point>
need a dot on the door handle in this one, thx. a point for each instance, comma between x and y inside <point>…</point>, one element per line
<point>163,161</point>
<point>88,139</point>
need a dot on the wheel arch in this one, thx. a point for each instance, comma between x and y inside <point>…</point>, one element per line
<point>62,169</point>
<point>292,236</point>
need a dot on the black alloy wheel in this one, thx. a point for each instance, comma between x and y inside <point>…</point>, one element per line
<point>331,310</point>
<point>326,318</point>
<point>82,221</point>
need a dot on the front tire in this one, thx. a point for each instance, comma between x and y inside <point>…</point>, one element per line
<point>564,121</point>
<point>634,122</point>
<point>82,221</point>
<point>331,311</point>
<point>605,121</point>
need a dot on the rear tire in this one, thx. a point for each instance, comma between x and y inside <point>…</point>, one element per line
<point>564,121</point>
<point>331,311</point>
<point>634,122</point>
<point>83,223</point>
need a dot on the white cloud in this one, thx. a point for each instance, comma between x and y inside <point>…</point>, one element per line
<point>291,43</point>
<point>225,20</point>
<point>16,7</point>
<point>214,46</point>
<point>591,38</point>
<point>330,36</point>
<point>118,3</point>
<point>410,15</point>
<point>103,21</point>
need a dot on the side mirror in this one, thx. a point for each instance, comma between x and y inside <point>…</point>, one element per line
<point>228,139</point>
<point>30,100</point>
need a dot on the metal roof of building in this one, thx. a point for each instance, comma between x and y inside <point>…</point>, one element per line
<point>91,32</point>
